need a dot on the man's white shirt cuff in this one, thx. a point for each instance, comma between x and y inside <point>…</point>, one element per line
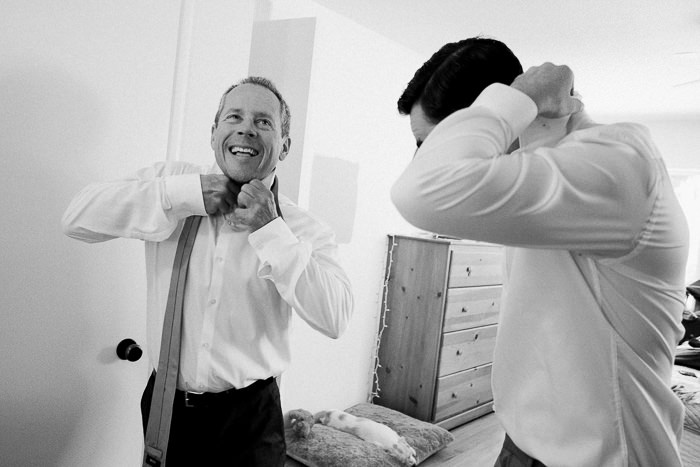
<point>272,238</point>
<point>514,106</point>
<point>183,195</point>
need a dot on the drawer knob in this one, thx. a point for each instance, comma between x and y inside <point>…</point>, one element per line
<point>465,309</point>
<point>459,352</point>
<point>454,396</point>
<point>469,271</point>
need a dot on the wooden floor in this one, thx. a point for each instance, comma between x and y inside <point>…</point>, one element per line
<point>477,444</point>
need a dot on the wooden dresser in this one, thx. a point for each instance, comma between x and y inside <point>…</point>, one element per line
<point>441,313</point>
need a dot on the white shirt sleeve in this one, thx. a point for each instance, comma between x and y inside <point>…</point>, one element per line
<point>147,205</point>
<point>592,192</point>
<point>306,273</point>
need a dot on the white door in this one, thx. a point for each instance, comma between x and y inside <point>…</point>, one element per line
<point>91,90</point>
<point>85,92</point>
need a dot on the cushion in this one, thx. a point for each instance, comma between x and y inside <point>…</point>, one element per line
<point>328,447</point>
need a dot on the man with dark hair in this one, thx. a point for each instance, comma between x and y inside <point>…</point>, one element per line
<point>596,248</point>
<point>255,257</point>
<point>455,75</point>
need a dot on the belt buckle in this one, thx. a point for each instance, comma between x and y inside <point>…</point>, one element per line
<point>188,402</point>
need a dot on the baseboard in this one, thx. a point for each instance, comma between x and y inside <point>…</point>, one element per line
<point>464,417</point>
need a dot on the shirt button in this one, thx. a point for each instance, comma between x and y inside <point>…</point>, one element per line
<point>205,345</point>
<point>212,301</point>
<point>219,259</point>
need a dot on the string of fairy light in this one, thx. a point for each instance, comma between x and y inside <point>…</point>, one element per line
<point>374,394</point>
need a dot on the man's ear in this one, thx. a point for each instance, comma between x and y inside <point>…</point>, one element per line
<point>213,126</point>
<point>285,148</point>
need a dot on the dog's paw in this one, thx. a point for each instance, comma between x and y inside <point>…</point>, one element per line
<point>404,452</point>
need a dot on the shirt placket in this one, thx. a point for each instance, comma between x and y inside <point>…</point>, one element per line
<point>211,310</point>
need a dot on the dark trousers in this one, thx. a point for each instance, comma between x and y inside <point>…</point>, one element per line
<point>242,428</point>
<point>512,456</point>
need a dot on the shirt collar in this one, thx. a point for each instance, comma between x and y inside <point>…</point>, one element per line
<point>547,132</point>
<point>267,181</point>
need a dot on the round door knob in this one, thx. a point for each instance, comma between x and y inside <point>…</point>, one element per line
<point>129,350</point>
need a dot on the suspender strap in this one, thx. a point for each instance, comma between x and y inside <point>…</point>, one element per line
<point>158,430</point>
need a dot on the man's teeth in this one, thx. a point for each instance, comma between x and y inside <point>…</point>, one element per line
<point>240,149</point>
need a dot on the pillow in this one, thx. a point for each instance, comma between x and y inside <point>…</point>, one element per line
<point>328,447</point>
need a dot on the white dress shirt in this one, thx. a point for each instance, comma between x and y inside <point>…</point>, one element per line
<point>594,273</point>
<point>241,287</point>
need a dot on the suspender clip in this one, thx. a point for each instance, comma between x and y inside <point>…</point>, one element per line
<point>152,457</point>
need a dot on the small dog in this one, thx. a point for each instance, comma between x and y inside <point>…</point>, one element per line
<point>302,421</point>
<point>370,431</point>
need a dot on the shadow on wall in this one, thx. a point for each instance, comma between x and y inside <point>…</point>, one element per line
<point>45,117</point>
<point>333,195</point>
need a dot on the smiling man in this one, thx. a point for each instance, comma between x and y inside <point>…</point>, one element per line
<point>256,256</point>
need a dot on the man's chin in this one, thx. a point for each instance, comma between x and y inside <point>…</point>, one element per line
<point>239,174</point>
<point>238,177</point>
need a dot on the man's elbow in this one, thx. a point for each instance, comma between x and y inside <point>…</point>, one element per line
<point>411,206</point>
<point>343,320</point>
<point>72,229</point>
<point>69,227</point>
<point>404,198</point>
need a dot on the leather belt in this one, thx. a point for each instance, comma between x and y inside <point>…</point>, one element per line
<point>201,399</point>
<point>193,399</point>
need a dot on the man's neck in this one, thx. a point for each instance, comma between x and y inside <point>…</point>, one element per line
<point>544,132</point>
<point>267,180</point>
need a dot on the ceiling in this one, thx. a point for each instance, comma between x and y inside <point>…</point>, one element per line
<point>630,57</point>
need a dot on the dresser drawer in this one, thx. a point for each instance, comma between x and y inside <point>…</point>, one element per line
<point>469,307</point>
<point>463,391</point>
<point>441,306</point>
<point>466,349</point>
<point>471,266</point>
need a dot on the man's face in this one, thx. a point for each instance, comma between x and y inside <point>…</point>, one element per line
<point>421,125</point>
<point>247,141</point>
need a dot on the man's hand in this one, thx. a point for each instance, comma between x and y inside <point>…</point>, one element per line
<point>551,87</point>
<point>256,207</point>
<point>219,193</point>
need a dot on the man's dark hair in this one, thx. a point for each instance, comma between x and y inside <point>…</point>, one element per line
<point>456,74</point>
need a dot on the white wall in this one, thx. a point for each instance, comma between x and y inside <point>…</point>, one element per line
<point>213,52</point>
<point>678,138</point>
<point>353,135</point>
